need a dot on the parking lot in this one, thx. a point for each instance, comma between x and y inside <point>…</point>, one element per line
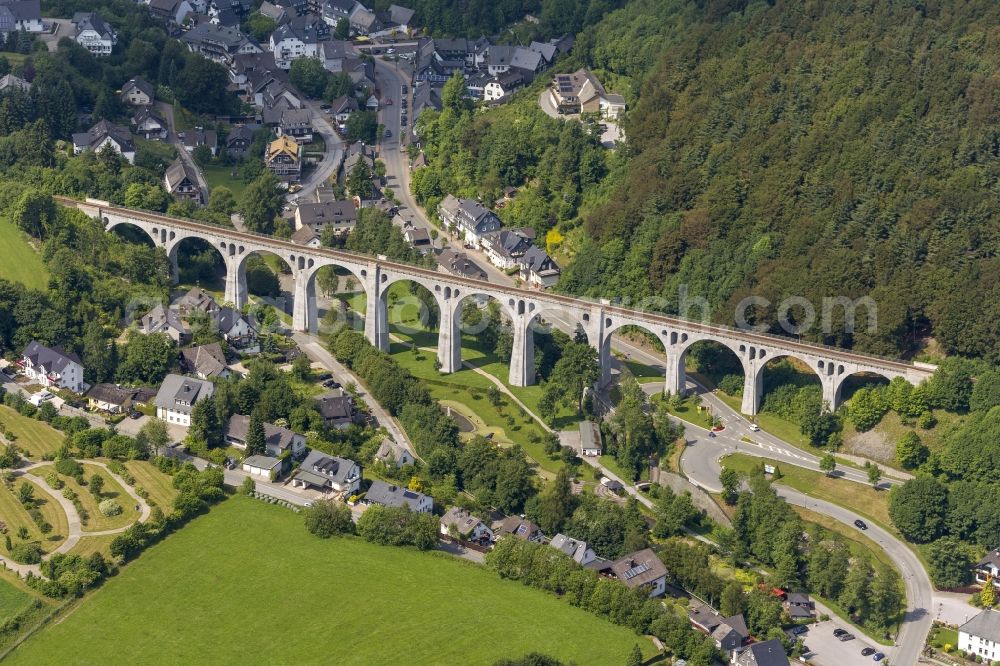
<point>827,650</point>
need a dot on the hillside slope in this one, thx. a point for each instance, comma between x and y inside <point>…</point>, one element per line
<point>821,148</point>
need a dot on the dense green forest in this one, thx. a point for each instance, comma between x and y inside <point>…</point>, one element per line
<point>806,148</point>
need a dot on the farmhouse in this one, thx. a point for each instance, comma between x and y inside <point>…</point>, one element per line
<point>278,440</point>
<point>52,367</point>
<point>395,496</point>
<point>177,397</point>
<point>325,472</point>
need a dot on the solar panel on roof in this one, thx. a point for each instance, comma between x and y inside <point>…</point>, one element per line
<point>636,570</point>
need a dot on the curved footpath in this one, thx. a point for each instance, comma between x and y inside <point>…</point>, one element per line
<point>75,530</point>
<point>701,464</point>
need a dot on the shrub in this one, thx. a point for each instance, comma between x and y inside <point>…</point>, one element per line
<point>26,553</point>
<point>326,518</point>
<point>110,507</point>
<point>69,467</point>
<point>53,480</point>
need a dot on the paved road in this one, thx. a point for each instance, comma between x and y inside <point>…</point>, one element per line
<point>317,352</point>
<point>167,111</point>
<point>332,158</point>
<point>700,463</point>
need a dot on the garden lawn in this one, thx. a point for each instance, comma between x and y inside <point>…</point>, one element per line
<point>222,176</point>
<point>34,437</point>
<point>238,593</point>
<point>156,483</point>
<point>20,261</point>
<point>97,522</point>
<point>13,513</point>
<point>772,423</point>
<point>94,544</point>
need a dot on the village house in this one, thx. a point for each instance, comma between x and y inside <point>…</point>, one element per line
<point>219,43</point>
<point>468,218</point>
<point>104,134</point>
<point>201,137</point>
<point>162,319</point>
<point>299,38</point>
<point>181,181</point>
<point>278,440</point>
<point>458,522</point>
<point>799,606</point>
<point>342,108</point>
<point>518,527</point>
<point>729,633</point>
<point>393,455</point>
<point>239,140</point>
<point>21,15</point>
<point>138,92</point>
<point>205,361</point>
<point>768,653</point>
<point>196,301</point>
<point>334,11</point>
<point>177,397</point>
<point>639,570</point>
<point>93,34</point>
<point>110,398</point>
<point>149,125</point>
<point>9,81</point>
<point>578,550</point>
<point>306,236</point>
<point>459,263</point>
<point>538,269</point>
<point>988,568</point>
<point>328,473</point>
<point>590,438</point>
<point>236,329</point>
<point>417,237</point>
<point>390,495</point>
<point>582,92</point>
<point>52,367</point>
<point>505,248</point>
<point>339,216</point>
<point>283,158</point>
<point>296,123</point>
<point>336,409</point>
<point>980,636</point>
<point>172,12</point>
<point>363,21</point>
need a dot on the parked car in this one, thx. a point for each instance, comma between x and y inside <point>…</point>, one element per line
<point>800,629</point>
<point>387,134</point>
<point>403,89</point>
<point>867,652</point>
<point>878,656</point>
<point>135,415</point>
<point>323,376</point>
<point>388,101</point>
<point>846,637</point>
<point>838,632</point>
<point>860,524</point>
<point>325,106</point>
<point>331,384</point>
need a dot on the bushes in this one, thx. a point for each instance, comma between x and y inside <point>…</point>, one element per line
<point>110,507</point>
<point>391,526</point>
<point>70,575</point>
<point>69,467</point>
<point>326,518</point>
<point>26,553</point>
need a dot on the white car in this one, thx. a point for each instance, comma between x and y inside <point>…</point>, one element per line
<point>754,427</point>
<point>40,397</point>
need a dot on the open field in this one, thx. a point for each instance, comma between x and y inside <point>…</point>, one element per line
<point>14,515</point>
<point>97,522</point>
<point>221,176</point>
<point>94,544</point>
<point>390,605</point>
<point>13,600</point>
<point>35,438</point>
<point>156,483</point>
<point>21,263</point>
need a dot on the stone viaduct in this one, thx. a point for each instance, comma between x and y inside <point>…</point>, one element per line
<point>524,308</point>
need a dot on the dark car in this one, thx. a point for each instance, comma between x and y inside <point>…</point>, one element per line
<point>878,656</point>
<point>711,434</point>
<point>838,632</point>
<point>860,524</point>
<point>867,652</point>
<point>331,383</point>
<point>800,629</point>
<point>846,637</point>
<point>323,376</point>
<point>135,415</point>
<point>325,106</point>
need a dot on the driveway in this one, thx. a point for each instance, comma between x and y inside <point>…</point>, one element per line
<point>332,158</point>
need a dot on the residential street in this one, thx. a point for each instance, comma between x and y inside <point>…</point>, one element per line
<point>167,111</point>
<point>332,157</point>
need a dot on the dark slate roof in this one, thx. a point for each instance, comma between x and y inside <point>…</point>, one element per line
<point>92,21</point>
<point>103,129</point>
<point>538,261</point>
<point>228,318</point>
<point>332,406</point>
<point>390,495</point>
<point>459,263</point>
<point>179,393</point>
<point>768,653</point>
<point>207,360</point>
<point>324,213</point>
<point>985,625</point>
<point>276,436</point>
<point>326,467</point>
<point>638,568</point>
<point>53,359</point>
<point>177,172</point>
<point>111,394</point>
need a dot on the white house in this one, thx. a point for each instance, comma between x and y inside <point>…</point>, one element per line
<point>393,454</point>
<point>235,328</point>
<point>105,134</point>
<point>328,473</point>
<point>988,568</point>
<point>52,366</point>
<point>538,269</point>
<point>767,653</point>
<point>162,319</point>
<point>18,15</point>
<point>469,218</point>
<point>465,525</point>
<point>177,397</point>
<point>980,636</point>
<point>94,34</point>
<point>578,550</point>
<point>395,496</point>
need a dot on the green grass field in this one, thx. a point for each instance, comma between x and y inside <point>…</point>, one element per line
<point>156,483</point>
<point>13,600</point>
<point>35,438</point>
<point>221,176</point>
<point>21,263</point>
<point>14,515</point>
<point>254,582</point>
